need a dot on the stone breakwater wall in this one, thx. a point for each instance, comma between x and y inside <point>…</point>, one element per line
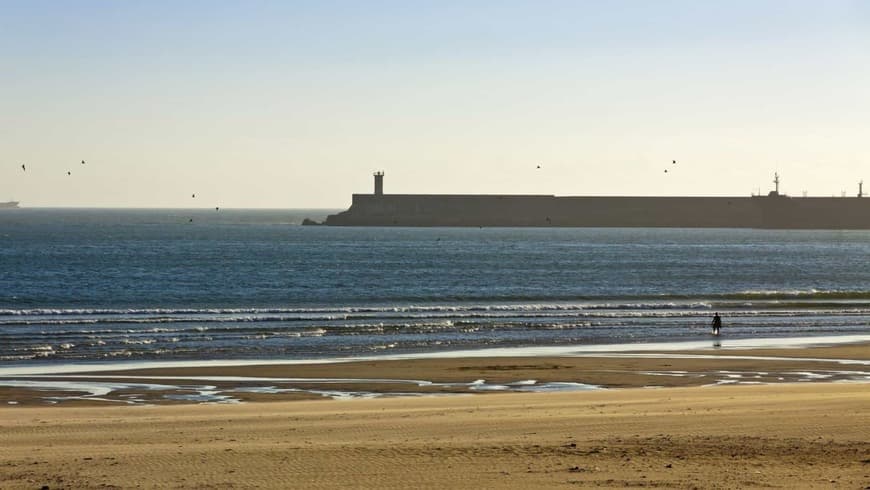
<point>547,210</point>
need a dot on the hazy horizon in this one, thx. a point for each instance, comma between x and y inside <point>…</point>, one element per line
<point>293,105</point>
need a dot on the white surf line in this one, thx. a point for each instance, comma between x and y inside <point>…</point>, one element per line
<point>860,362</point>
<point>603,350</point>
<point>608,350</point>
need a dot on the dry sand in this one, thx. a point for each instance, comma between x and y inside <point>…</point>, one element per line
<point>787,435</point>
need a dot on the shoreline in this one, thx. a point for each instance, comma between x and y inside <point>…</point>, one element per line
<point>717,419</point>
<point>717,344</point>
<point>411,376</point>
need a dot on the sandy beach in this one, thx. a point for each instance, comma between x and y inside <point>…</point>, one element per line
<point>713,421</point>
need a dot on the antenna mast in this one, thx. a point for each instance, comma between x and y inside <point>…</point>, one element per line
<point>776,181</point>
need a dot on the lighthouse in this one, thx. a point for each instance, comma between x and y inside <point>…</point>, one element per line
<point>379,183</point>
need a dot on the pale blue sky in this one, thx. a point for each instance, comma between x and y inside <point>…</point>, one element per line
<point>295,104</point>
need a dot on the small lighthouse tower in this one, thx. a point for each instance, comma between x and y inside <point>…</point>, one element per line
<point>379,183</point>
<point>861,189</point>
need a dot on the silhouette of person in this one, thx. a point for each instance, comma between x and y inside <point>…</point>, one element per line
<point>717,323</point>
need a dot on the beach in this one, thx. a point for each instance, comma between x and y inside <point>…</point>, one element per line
<point>725,429</point>
<point>434,245</point>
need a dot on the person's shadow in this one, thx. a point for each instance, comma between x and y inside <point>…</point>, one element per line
<point>717,344</point>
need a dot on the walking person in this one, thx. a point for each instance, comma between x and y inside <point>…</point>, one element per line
<point>717,324</point>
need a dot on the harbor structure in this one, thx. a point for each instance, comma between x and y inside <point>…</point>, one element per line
<point>774,210</point>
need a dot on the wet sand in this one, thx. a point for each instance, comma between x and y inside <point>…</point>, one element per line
<point>806,434</point>
<point>281,382</point>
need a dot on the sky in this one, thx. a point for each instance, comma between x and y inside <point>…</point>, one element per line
<point>285,104</point>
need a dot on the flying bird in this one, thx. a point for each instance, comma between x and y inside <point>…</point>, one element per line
<point>68,172</point>
<point>216,208</point>
<point>83,162</point>
<point>539,166</point>
<point>23,168</point>
<point>674,162</point>
<point>193,195</point>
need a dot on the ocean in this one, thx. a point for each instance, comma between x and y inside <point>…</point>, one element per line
<point>93,285</point>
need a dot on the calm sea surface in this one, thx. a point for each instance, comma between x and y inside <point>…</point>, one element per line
<point>86,285</point>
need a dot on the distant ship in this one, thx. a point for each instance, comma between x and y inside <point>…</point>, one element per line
<point>8,205</point>
<point>772,211</point>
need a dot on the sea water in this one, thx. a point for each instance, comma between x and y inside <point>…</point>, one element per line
<point>79,285</point>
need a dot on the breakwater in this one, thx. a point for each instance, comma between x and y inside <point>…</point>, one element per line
<point>772,211</point>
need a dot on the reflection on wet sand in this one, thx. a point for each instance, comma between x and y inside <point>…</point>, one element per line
<point>143,388</point>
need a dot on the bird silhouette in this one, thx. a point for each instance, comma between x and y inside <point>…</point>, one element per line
<point>193,195</point>
<point>674,162</point>
<point>666,170</point>
<point>23,168</point>
<point>217,208</point>
<point>539,166</point>
<point>68,172</point>
<point>83,162</point>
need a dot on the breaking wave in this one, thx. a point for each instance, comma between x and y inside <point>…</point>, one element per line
<point>57,334</point>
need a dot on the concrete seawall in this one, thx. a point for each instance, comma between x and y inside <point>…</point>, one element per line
<point>547,210</point>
